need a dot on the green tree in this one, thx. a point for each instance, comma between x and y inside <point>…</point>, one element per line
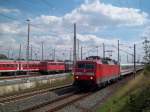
<point>2,56</point>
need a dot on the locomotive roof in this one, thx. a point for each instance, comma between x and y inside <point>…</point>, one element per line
<point>52,61</point>
<point>99,60</point>
<point>14,62</point>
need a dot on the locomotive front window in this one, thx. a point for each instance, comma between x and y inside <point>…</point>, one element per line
<point>89,66</point>
<point>85,66</point>
<point>81,65</point>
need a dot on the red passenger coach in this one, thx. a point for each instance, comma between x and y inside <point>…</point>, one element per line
<point>29,66</point>
<point>47,66</point>
<point>95,71</point>
<point>8,66</point>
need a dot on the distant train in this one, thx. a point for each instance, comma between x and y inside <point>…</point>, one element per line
<point>10,67</point>
<point>97,71</point>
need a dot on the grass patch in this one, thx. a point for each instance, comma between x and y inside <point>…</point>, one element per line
<point>132,97</point>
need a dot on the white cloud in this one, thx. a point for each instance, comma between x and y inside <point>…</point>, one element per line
<point>8,10</point>
<point>92,17</point>
<point>10,28</point>
<point>100,14</point>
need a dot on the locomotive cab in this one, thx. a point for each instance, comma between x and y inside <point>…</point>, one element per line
<point>85,73</point>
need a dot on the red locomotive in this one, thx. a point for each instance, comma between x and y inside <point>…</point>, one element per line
<point>95,71</point>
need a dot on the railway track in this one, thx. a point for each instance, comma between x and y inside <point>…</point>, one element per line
<point>66,100</point>
<point>30,94</point>
<point>26,76</point>
<point>58,103</point>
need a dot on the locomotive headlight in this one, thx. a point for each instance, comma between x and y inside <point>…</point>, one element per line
<point>77,77</point>
<point>91,78</point>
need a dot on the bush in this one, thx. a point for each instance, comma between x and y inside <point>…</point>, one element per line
<point>147,70</point>
<point>139,102</point>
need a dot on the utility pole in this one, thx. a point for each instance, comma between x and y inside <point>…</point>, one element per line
<point>70,53</point>
<point>8,52</point>
<point>97,50</point>
<point>103,50</point>
<point>81,52</point>
<point>110,51</point>
<point>120,58</point>
<point>127,58</point>
<point>118,52</point>
<point>74,46</point>
<point>19,58</point>
<point>12,55</point>
<point>134,60</point>
<point>36,58</point>
<point>146,44</point>
<point>54,54</point>
<point>42,51</point>
<point>19,53</point>
<point>28,40</point>
<point>78,43</point>
<point>31,52</point>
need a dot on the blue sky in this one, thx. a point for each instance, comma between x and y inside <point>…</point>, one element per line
<point>31,8</point>
<point>52,20</point>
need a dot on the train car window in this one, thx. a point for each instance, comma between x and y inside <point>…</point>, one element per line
<point>4,65</point>
<point>51,64</point>
<point>1,65</point>
<point>81,65</point>
<point>11,65</point>
<point>8,65</point>
<point>89,66</point>
<point>54,64</point>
